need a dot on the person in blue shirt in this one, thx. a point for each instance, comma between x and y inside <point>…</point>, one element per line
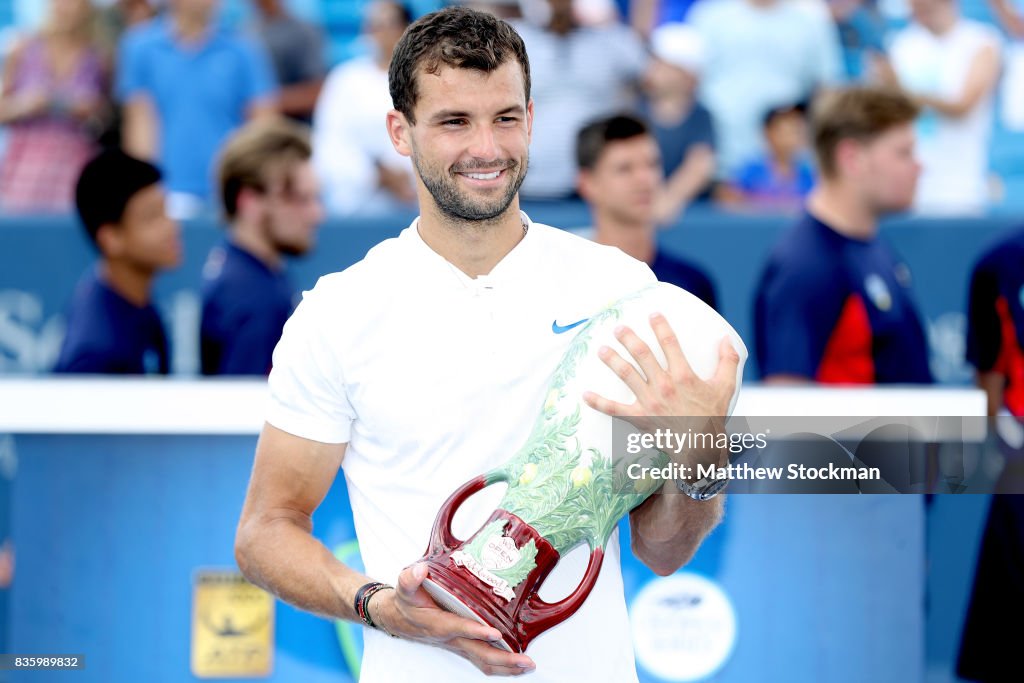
<point>779,178</point>
<point>271,201</point>
<point>112,326</point>
<point>620,178</point>
<point>834,303</point>
<point>185,83</point>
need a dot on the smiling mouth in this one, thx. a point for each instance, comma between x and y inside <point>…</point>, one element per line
<point>482,175</point>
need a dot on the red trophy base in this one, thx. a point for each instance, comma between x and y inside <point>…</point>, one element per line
<point>518,614</point>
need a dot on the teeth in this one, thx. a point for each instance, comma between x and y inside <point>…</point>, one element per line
<point>483,176</point>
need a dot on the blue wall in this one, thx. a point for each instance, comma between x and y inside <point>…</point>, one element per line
<point>41,259</point>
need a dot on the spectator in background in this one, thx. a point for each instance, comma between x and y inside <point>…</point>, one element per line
<point>121,15</point>
<point>779,178</point>
<point>185,83</point>
<point>995,346</point>
<point>272,203</point>
<point>620,178</point>
<point>113,328</point>
<point>53,101</point>
<point>995,331</point>
<point>297,51</point>
<point>834,303</point>
<point>680,124</point>
<point>760,53</point>
<point>359,169</point>
<point>646,15</point>
<point>577,73</point>
<point>1011,18</point>
<point>951,65</point>
<point>861,33</point>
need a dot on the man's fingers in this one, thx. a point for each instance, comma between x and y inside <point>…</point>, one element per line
<point>409,582</point>
<point>624,370</point>
<point>728,361</point>
<point>678,366</point>
<point>492,660</point>
<point>641,353</point>
<point>448,626</point>
<point>606,406</point>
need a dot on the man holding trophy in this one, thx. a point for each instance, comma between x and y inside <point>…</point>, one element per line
<point>420,371</point>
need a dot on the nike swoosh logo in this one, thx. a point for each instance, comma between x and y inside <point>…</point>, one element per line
<point>559,329</point>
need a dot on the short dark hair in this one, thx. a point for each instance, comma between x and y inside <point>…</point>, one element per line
<point>106,185</point>
<point>783,110</point>
<point>458,37</point>
<point>594,137</point>
<point>249,153</point>
<point>861,113</point>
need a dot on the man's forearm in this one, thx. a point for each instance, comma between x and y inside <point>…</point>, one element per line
<point>281,556</point>
<point>693,175</point>
<point>667,529</point>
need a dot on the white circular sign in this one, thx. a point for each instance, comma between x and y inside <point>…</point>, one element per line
<point>684,627</point>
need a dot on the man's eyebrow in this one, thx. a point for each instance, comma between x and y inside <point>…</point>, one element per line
<point>446,114</point>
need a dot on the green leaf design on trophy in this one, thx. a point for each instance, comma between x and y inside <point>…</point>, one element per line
<point>521,569</point>
<point>567,494</point>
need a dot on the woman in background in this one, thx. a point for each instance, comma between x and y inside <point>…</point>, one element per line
<point>53,100</point>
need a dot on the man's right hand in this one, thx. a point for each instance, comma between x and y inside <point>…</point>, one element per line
<point>409,612</point>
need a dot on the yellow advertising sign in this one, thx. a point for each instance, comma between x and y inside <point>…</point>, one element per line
<point>232,626</point>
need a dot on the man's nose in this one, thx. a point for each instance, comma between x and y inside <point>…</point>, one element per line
<point>484,144</point>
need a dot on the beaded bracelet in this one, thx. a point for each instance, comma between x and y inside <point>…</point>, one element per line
<point>362,601</point>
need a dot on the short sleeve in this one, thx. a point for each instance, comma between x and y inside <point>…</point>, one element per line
<point>749,177</point>
<point>984,338</point>
<point>259,82</point>
<point>311,64</point>
<point>788,312</point>
<point>702,130</point>
<point>130,78</point>
<point>632,57</point>
<point>307,388</point>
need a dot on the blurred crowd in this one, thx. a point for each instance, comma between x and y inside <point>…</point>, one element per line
<point>640,111</point>
<point>723,84</point>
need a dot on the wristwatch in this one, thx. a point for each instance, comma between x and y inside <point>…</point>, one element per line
<point>702,489</point>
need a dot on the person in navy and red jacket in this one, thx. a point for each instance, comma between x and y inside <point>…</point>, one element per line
<point>834,303</point>
<point>995,332</point>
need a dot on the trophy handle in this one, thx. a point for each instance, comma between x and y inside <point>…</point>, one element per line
<point>537,616</point>
<point>441,538</point>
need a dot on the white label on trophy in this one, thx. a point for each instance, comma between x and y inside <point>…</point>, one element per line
<point>499,552</point>
<point>498,585</point>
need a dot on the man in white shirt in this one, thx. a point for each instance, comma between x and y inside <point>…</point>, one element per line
<point>360,172</point>
<point>760,54</point>
<point>426,363</point>
<point>951,65</point>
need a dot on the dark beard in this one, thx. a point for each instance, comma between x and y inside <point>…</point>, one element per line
<point>455,204</point>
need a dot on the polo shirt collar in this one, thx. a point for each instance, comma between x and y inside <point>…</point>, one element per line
<point>169,34</point>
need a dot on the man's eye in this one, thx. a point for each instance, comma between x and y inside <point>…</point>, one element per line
<point>507,119</point>
<point>454,122</point>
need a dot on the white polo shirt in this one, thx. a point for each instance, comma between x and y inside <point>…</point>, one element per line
<point>433,378</point>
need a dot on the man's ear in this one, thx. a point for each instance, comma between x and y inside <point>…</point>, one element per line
<point>529,120</point>
<point>399,132</point>
<point>247,196</point>
<point>848,155</point>
<point>584,185</point>
<point>110,240</point>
